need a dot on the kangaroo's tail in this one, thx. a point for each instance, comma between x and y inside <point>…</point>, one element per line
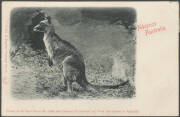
<point>88,85</point>
<point>110,86</point>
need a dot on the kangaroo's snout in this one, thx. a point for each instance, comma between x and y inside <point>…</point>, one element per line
<point>35,29</point>
<point>39,28</point>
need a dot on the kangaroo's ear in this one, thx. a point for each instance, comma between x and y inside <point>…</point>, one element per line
<point>49,19</point>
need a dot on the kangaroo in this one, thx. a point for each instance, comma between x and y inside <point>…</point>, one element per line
<point>61,52</point>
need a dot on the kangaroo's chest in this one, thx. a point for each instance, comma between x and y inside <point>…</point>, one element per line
<point>55,49</point>
<point>48,42</point>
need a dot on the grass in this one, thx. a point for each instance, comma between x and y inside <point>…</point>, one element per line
<point>32,78</point>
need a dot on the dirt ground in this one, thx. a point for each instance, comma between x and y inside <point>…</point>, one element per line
<point>100,44</point>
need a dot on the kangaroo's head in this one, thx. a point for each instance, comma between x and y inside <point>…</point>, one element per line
<point>44,26</point>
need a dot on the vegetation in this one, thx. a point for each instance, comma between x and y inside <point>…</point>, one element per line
<point>99,40</point>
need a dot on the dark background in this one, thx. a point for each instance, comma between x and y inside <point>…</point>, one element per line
<point>23,20</point>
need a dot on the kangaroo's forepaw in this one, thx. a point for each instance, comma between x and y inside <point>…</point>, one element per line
<point>50,64</point>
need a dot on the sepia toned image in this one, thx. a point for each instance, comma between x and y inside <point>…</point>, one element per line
<point>89,58</point>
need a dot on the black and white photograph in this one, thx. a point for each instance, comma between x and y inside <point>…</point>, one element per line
<point>108,58</point>
<point>73,53</point>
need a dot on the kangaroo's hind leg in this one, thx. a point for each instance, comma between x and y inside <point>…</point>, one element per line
<point>69,72</point>
<point>65,82</point>
<point>69,87</point>
<point>68,80</point>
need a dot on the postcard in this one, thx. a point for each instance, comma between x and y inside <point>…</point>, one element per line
<point>89,58</point>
